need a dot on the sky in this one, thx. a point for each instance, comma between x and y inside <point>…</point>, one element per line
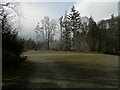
<point>33,12</point>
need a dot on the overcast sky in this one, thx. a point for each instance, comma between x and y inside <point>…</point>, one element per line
<point>33,12</point>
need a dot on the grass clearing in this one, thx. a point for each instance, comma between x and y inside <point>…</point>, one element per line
<point>65,69</point>
<point>83,69</point>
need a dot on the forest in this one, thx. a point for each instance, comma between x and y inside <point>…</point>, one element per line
<point>77,34</point>
<point>71,34</point>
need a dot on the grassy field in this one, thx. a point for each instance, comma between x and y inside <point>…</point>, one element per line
<point>67,69</point>
<point>82,69</point>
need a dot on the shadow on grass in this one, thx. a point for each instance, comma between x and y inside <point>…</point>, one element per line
<point>17,78</point>
<point>49,75</point>
<point>60,74</point>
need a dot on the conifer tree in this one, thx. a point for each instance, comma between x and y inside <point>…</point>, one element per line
<point>66,32</point>
<point>75,24</point>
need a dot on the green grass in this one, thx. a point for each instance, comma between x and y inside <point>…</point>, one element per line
<point>81,69</point>
<point>95,70</point>
<point>98,71</point>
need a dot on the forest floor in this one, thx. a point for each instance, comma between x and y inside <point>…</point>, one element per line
<point>63,69</point>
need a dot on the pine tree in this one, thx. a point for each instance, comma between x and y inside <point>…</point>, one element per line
<point>75,24</point>
<point>12,48</point>
<point>92,35</point>
<point>61,32</point>
<point>66,32</point>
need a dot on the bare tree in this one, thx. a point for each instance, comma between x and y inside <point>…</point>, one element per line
<point>40,32</point>
<point>47,30</point>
